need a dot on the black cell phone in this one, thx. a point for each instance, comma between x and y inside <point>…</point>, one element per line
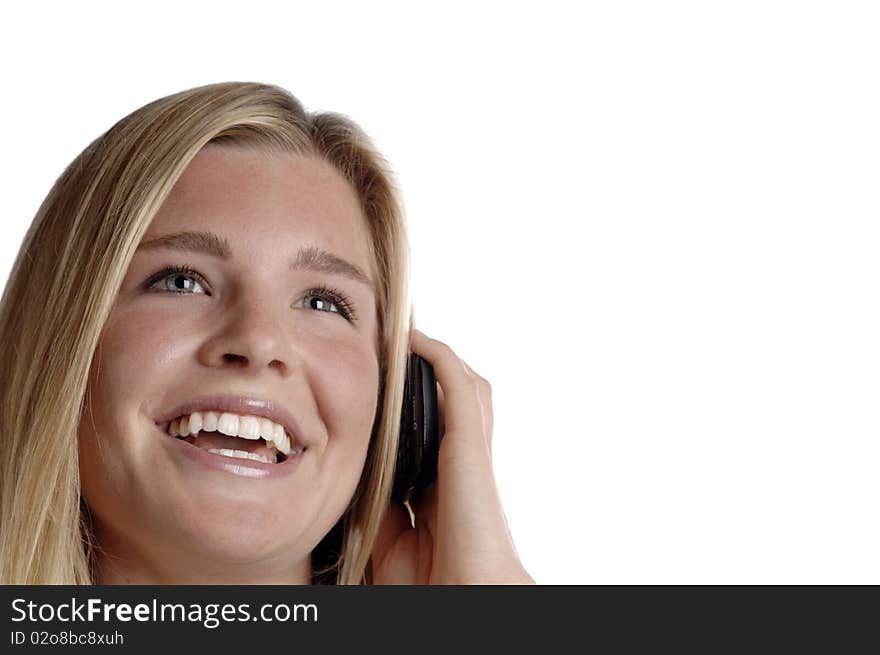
<point>420,435</point>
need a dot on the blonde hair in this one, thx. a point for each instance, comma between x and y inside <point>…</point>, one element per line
<point>64,282</point>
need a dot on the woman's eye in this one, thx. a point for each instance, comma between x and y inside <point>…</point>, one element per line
<point>176,280</point>
<point>327,297</point>
<point>322,302</point>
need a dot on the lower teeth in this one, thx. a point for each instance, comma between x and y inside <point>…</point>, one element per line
<point>239,454</point>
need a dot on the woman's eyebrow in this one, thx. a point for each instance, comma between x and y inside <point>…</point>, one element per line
<point>307,257</point>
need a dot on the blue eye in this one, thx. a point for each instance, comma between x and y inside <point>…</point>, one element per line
<point>179,274</point>
<point>184,277</point>
<point>336,298</point>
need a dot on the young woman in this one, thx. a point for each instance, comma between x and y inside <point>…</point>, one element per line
<point>204,339</point>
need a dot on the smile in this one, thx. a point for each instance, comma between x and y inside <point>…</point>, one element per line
<point>244,436</point>
<point>243,445</point>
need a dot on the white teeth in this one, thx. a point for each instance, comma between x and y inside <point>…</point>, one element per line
<point>233,425</point>
<point>267,429</point>
<point>249,427</point>
<point>209,421</point>
<point>228,424</point>
<point>195,422</point>
<point>241,454</point>
<point>282,442</point>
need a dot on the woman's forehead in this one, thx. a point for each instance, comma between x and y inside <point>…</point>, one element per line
<point>266,200</point>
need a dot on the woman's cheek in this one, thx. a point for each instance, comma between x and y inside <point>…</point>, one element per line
<point>345,386</point>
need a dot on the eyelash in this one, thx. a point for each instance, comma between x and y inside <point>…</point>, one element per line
<point>325,292</point>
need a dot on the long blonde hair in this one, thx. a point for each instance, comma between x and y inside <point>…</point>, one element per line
<point>65,279</point>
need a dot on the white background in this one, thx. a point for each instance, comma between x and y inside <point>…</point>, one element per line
<point>652,226</point>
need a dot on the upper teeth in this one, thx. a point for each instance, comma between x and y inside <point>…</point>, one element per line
<point>247,427</point>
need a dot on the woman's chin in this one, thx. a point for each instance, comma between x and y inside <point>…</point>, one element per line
<point>235,536</point>
<point>216,556</point>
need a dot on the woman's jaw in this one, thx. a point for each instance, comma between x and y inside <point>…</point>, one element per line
<point>120,561</point>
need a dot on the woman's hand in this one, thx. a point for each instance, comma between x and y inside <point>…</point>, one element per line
<point>460,536</point>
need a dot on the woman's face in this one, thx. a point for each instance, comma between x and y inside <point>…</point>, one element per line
<point>246,324</point>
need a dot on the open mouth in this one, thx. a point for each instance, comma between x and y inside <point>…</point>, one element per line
<point>238,437</point>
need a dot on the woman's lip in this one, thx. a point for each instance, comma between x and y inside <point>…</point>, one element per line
<point>245,468</point>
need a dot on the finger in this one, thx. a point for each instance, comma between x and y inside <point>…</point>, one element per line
<point>486,416</point>
<point>463,403</point>
<point>484,396</point>
<point>441,408</point>
<point>484,393</point>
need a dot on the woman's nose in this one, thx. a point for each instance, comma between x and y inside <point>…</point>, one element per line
<point>252,336</point>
